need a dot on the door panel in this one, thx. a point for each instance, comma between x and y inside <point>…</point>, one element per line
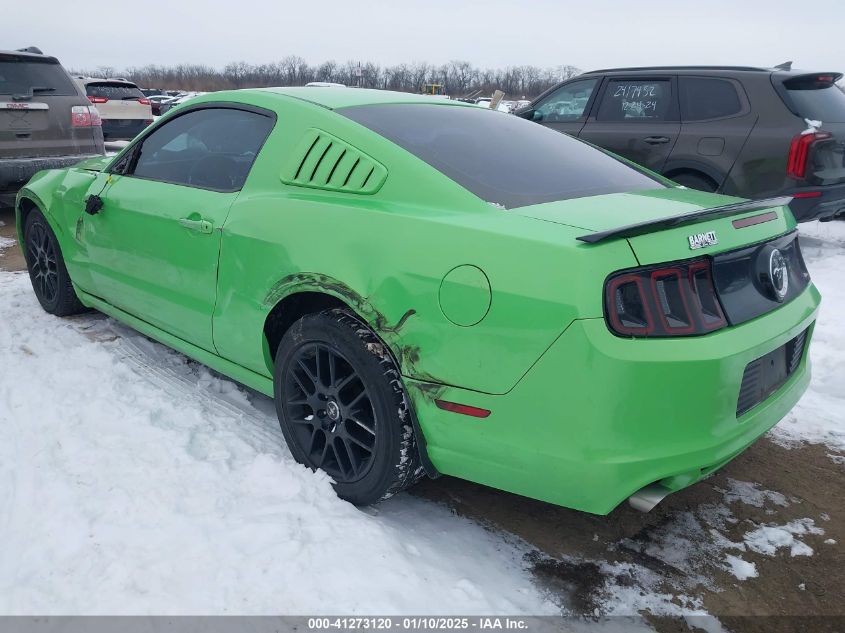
<point>151,255</point>
<point>154,246</point>
<point>636,118</point>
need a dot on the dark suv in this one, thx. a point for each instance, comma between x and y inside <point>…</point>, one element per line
<point>748,132</point>
<point>46,120</point>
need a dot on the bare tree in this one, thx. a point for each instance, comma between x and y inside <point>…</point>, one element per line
<point>459,77</point>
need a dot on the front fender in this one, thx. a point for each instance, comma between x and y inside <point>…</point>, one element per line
<point>59,195</point>
<point>39,191</point>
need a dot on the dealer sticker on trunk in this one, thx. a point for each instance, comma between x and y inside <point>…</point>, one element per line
<point>702,240</point>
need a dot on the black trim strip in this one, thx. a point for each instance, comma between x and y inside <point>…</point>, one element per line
<point>661,224</point>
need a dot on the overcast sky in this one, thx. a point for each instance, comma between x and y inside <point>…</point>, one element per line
<point>491,33</point>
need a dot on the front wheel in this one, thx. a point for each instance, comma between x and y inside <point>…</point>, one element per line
<point>46,266</point>
<point>342,407</point>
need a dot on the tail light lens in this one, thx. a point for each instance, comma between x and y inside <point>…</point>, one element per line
<point>661,301</point>
<point>799,153</point>
<point>84,116</point>
<point>98,99</point>
<point>144,101</point>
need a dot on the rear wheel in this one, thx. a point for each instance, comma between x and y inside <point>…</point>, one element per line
<point>342,407</point>
<point>47,271</point>
<point>695,181</point>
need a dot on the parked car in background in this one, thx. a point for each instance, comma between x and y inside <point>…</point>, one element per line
<point>124,109</point>
<point>45,119</point>
<point>167,104</point>
<point>156,101</point>
<point>742,131</point>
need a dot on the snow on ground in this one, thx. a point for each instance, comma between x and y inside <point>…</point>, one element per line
<point>6,242</point>
<point>133,481</point>
<point>819,417</point>
<point>743,570</point>
<point>768,539</point>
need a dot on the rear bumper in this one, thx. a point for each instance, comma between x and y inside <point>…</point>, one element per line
<point>600,417</point>
<point>16,172</point>
<point>828,204</point>
<point>123,129</point>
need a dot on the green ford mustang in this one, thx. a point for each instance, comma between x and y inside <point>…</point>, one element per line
<point>429,287</point>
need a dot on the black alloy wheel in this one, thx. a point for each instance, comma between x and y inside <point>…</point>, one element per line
<point>335,423</point>
<point>342,406</point>
<point>41,255</point>
<point>47,272</point>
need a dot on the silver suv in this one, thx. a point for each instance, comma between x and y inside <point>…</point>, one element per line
<point>124,109</point>
<point>46,120</point>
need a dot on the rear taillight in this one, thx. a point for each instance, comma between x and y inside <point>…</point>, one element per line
<point>84,116</point>
<point>676,300</point>
<point>98,99</point>
<point>799,153</point>
<point>144,101</point>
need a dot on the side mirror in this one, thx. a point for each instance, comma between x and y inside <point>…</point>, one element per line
<point>526,113</point>
<point>536,115</point>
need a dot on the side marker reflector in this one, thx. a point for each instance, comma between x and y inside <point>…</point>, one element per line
<point>464,409</point>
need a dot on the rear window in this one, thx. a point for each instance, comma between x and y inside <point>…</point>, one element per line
<point>114,91</point>
<point>818,100</point>
<point>704,98</point>
<point>19,77</point>
<point>502,159</point>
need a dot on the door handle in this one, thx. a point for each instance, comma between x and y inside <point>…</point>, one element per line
<point>200,226</point>
<point>656,140</point>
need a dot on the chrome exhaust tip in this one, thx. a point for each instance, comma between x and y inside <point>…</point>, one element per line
<point>646,498</point>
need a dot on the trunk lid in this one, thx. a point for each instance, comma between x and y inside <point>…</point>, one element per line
<point>666,244</point>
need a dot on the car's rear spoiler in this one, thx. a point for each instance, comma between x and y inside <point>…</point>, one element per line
<point>661,224</point>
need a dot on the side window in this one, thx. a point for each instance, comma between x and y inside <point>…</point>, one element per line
<point>567,103</point>
<point>705,98</point>
<point>212,148</point>
<point>636,100</point>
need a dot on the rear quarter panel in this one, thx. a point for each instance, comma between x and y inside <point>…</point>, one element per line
<point>760,168</point>
<point>386,254</point>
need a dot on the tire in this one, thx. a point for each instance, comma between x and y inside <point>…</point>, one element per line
<point>695,181</point>
<point>46,266</point>
<point>342,407</point>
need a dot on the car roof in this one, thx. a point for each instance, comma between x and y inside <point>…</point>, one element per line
<point>28,56</point>
<point>663,69</point>
<point>333,98</point>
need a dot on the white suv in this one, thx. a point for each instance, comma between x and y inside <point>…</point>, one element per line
<point>124,109</point>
